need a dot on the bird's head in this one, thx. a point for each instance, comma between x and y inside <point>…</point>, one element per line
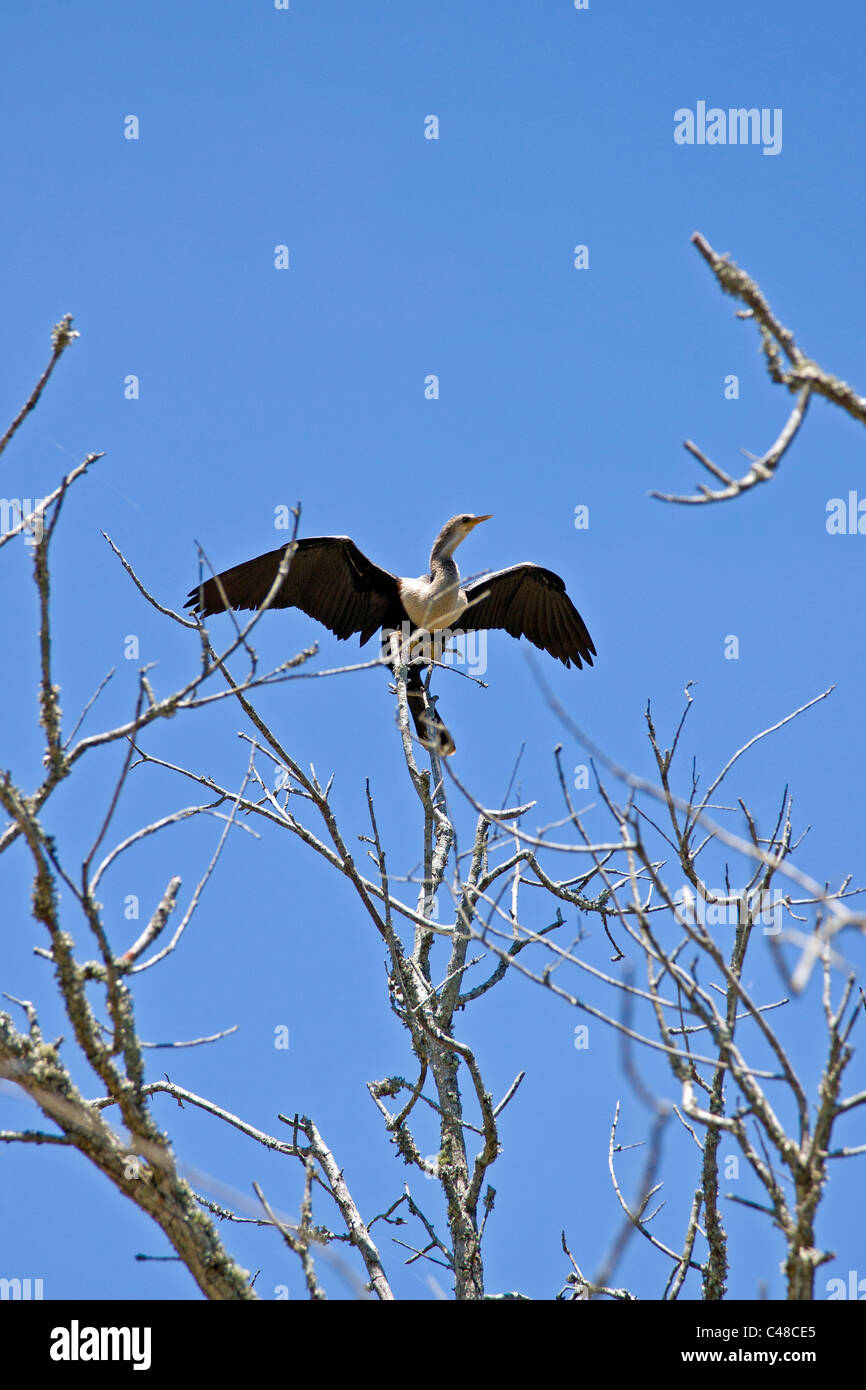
<point>455,531</point>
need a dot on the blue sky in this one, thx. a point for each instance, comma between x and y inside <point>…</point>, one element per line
<point>557,388</point>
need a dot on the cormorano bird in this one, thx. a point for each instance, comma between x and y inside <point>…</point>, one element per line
<point>332,581</point>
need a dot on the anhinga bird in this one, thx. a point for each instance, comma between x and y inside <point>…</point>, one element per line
<point>332,581</point>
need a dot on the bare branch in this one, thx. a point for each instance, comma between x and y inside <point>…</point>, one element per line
<point>62,334</point>
<point>801,374</point>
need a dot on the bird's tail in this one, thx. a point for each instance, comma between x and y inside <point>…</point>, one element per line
<point>428,725</point>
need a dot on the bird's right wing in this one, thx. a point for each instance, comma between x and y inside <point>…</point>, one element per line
<point>328,578</point>
<point>530,601</point>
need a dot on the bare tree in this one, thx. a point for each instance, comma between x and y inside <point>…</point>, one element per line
<point>690,1021</point>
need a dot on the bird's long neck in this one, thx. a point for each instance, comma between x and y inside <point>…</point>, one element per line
<point>443,566</point>
<point>444,573</point>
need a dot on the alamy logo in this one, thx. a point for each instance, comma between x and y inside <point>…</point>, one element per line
<point>846,519</point>
<point>469,649</point>
<point>737,126</point>
<point>724,907</point>
<point>21,1288</point>
<point>77,1343</point>
<point>22,514</point>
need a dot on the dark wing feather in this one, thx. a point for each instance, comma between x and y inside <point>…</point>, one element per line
<point>529,601</point>
<point>329,579</point>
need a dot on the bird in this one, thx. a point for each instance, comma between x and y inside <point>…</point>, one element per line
<point>330,579</point>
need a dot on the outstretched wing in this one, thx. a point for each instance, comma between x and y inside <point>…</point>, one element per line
<point>529,601</point>
<point>328,578</point>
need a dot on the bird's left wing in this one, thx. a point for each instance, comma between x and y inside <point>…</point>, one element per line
<point>328,578</point>
<point>529,601</point>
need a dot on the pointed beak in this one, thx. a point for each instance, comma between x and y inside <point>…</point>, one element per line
<point>476,520</point>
